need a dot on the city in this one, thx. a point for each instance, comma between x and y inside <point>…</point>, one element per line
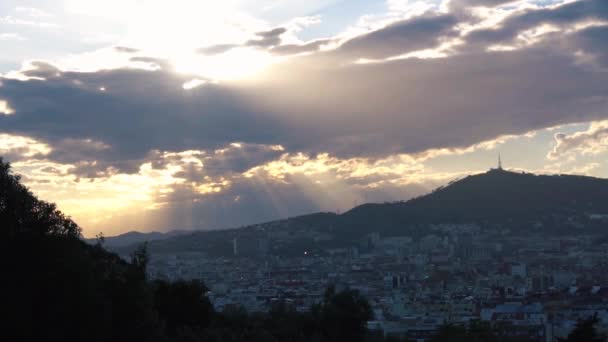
<point>525,282</point>
<point>304,170</point>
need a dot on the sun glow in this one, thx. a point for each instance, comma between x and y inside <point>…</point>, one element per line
<point>176,30</point>
<point>240,63</point>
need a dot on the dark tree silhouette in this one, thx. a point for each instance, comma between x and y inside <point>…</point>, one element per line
<point>343,315</point>
<point>58,288</point>
<point>451,333</point>
<point>182,305</point>
<point>22,213</point>
<point>55,286</point>
<point>140,259</point>
<point>585,331</point>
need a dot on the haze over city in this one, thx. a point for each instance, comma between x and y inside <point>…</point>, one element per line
<point>156,115</point>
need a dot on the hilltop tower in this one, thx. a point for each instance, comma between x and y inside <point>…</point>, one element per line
<point>499,162</point>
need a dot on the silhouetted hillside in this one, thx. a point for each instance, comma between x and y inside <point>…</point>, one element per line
<point>134,237</point>
<point>497,197</point>
<point>56,287</point>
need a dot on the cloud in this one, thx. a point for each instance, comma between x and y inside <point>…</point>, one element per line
<point>592,44</point>
<point>315,130</point>
<point>220,189</point>
<point>235,158</point>
<point>585,169</point>
<point>125,49</point>
<point>217,49</point>
<point>458,4</point>
<point>293,185</point>
<point>153,63</point>
<point>590,142</point>
<point>262,40</point>
<point>398,37</point>
<point>18,148</point>
<point>326,103</point>
<point>137,112</point>
<point>515,24</point>
<point>268,38</point>
<point>294,49</point>
<point>5,108</point>
<point>401,37</point>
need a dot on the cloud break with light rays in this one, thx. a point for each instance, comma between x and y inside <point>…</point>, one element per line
<point>205,115</point>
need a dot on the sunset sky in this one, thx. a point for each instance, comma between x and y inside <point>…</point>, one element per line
<point>193,114</point>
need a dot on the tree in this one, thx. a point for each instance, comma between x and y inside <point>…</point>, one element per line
<point>343,316</point>
<point>55,286</point>
<point>450,333</point>
<point>140,259</point>
<point>585,331</point>
<point>22,213</point>
<point>182,305</point>
<point>481,331</point>
<point>476,331</point>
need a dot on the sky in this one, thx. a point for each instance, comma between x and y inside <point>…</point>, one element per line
<point>155,115</point>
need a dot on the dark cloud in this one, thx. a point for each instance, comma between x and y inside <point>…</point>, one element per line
<point>594,42</point>
<point>267,39</point>
<point>114,121</point>
<point>293,49</point>
<point>485,3</point>
<point>152,61</point>
<point>239,158</point>
<point>406,105</point>
<point>217,49</point>
<point>125,49</point>
<point>401,37</point>
<point>263,40</point>
<point>14,155</point>
<point>564,14</point>
<point>457,4</point>
<point>39,69</point>
<point>139,111</point>
<point>276,32</point>
<point>232,159</point>
<point>317,103</point>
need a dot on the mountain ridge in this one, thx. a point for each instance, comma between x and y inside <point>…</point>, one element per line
<point>136,237</point>
<point>495,197</point>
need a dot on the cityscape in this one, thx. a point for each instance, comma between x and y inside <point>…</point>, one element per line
<point>533,285</point>
<point>304,170</point>
<point>530,285</point>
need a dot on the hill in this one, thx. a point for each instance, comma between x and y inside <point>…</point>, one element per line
<point>56,287</point>
<point>134,237</point>
<point>497,197</point>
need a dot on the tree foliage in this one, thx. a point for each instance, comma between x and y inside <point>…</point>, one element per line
<point>56,287</point>
<point>343,315</point>
<point>182,305</point>
<point>22,213</point>
<point>585,331</point>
